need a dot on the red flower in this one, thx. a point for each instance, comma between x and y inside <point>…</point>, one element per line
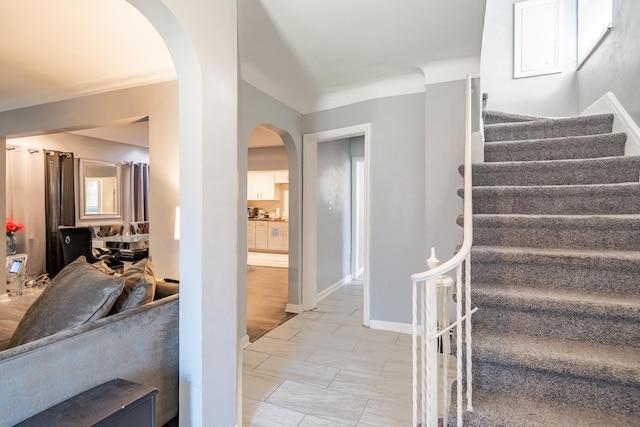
<point>13,226</point>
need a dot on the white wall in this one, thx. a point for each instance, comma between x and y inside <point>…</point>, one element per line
<point>551,95</point>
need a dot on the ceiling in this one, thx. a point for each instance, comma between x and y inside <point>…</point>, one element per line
<point>310,55</point>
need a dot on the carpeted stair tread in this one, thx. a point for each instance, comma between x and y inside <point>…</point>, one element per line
<point>607,170</point>
<point>594,199</point>
<point>555,274</point>
<point>549,128</point>
<point>596,362</point>
<point>490,117</point>
<point>573,147</point>
<point>558,313</point>
<point>614,232</point>
<point>624,259</point>
<point>497,409</point>
<point>592,271</point>
<point>577,303</point>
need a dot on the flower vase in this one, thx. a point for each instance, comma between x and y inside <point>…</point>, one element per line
<point>12,244</point>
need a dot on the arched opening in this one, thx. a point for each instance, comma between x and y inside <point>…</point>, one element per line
<point>267,232</point>
<point>268,212</point>
<point>200,244</point>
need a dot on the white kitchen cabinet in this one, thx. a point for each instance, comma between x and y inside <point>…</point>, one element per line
<point>262,235</point>
<point>278,236</point>
<point>281,177</point>
<point>261,186</point>
<point>251,235</point>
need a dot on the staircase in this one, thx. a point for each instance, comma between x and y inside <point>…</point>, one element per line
<point>556,275</point>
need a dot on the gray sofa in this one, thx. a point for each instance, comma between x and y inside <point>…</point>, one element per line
<point>139,345</point>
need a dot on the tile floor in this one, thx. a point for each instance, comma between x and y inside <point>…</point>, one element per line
<point>323,368</point>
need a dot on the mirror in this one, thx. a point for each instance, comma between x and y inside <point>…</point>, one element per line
<point>99,189</point>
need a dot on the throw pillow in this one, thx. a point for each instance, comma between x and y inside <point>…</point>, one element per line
<point>78,294</point>
<point>139,286</point>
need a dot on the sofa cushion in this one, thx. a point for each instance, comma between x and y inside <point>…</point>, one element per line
<point>77,295</point>
<point>139,286</point>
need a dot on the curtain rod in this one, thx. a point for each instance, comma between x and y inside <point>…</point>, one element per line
<point>21,148</point>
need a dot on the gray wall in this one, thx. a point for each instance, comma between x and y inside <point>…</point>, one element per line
<point>444,120</point>
<point>268,158</point>
<point>615,65</point>
<point>333,212</point>
<point>256,107</point>
<point>550,95</point>
<point>357,146</point>
<point>396,190</point>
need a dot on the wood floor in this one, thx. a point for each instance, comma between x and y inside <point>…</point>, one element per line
<point>267,293</point>
<point>12,311</point>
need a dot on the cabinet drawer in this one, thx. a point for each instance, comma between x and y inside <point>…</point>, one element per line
<point>262,224</point>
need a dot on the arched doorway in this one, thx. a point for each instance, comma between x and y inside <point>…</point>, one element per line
<point>271,149</point>
<point>207,88</point>
<point>267,232</point>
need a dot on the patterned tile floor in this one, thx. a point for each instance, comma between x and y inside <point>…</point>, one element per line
<point>323,368</point>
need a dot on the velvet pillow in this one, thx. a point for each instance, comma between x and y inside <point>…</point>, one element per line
<point>78,294</point>
<point>139,286</point>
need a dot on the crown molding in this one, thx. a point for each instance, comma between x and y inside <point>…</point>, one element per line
<point>86,90</point>
<point>450,70</point>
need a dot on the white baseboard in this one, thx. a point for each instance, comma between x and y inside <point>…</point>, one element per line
<point>381,325</point>
<point>294,308</point>
<point>334,287</point>
<point>4,297</point>
<point>622,121</point>
<point>244,341</point>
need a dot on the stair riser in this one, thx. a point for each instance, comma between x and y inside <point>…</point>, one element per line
<point>576,174</point>
<point>557,201</point>
<point>548,386</point>
<point>539,129</point>
<point>622,239</point>
<point>594,279</point>
<point>585,147</point>
<point>550,324</point>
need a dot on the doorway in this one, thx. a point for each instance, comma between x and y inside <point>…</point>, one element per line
<point>315,189</point>
<point>267,232</point>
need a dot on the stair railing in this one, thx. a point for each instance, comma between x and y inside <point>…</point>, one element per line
<point>429,328</point>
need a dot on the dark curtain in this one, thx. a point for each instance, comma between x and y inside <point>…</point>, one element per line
<point>59,204</point>
<point>140,192</point>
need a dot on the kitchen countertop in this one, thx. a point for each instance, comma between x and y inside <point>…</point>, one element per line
<point>268,219</point>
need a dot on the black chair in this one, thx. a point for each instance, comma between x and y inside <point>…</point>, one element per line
<point>76,241</point>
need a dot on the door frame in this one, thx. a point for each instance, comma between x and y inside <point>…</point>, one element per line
<point>357,216</point>
<point>309,213</point>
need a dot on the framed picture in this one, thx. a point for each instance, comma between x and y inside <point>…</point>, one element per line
<point>16,263</point>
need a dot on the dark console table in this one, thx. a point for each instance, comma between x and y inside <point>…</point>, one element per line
<point>117,403</point>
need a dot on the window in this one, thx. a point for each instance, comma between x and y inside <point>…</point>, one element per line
<point>536,38</point>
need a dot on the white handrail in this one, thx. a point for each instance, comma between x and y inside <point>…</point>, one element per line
<point>434,279</point>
